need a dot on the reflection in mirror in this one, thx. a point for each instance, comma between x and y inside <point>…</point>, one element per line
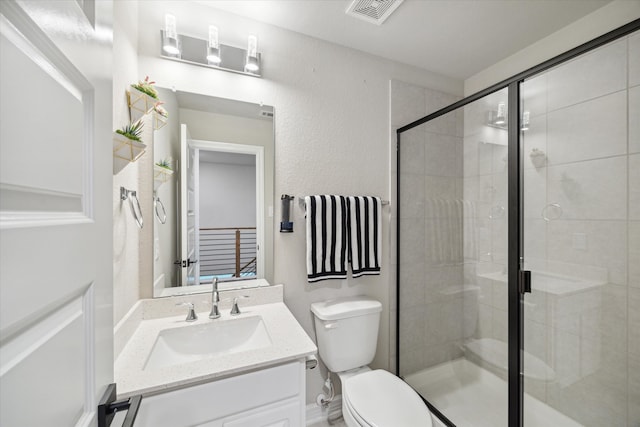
<point>213,194</point>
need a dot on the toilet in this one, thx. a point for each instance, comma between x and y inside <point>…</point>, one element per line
<point>347,333</point>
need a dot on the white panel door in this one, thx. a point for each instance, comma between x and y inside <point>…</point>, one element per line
<point>56,318</point>
<point>188,211</point>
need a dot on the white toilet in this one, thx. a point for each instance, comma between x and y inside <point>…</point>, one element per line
<point>347,333</point>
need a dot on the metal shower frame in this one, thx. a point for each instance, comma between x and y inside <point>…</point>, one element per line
<point>518,278</point>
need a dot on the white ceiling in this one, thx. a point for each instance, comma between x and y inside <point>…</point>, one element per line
<point>456,38</point>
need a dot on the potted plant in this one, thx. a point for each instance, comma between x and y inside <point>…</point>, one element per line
<point>160,115</point>
<point>162,171</point>
<point>127,142</point>
<point>142,97</point>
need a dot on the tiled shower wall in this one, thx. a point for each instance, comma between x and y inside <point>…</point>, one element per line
<point>431,229</point>
<point>585,118</point>
<point>582,173</point>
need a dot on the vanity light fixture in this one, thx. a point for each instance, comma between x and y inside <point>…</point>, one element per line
<point>209,52</point>
<point>252,55</point>
<point>170,36</point>
<point>213,47</point>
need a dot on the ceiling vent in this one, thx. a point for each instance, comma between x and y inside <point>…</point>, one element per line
<point>374,11</point>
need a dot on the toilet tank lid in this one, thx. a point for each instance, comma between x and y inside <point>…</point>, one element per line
<point>342,308</point>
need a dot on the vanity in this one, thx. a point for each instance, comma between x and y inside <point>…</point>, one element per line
<point>234,371</point>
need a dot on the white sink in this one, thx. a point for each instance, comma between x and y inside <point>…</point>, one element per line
<point>201,341</point>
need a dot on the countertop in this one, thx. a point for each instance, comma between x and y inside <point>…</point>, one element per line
<point>289,342</point>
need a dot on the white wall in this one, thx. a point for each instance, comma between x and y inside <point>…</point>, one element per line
<point>129,242</point>
<point>228,195</point>
<point>603,20</point>
<point>332,133</point>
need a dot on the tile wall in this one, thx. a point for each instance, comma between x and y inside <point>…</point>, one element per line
<point>582,235</point>
<point>430,209</point>
<point>584,118</point>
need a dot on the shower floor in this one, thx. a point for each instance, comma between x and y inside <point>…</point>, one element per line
<point>472,396</point>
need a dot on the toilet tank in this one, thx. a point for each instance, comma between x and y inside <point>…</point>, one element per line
<point>347,331</point>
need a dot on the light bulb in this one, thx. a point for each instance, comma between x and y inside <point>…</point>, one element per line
<point>170,42</point>
<point>252,54</point>
<point>500,117</point>
<point>525,121</point>
<point>213,47</point>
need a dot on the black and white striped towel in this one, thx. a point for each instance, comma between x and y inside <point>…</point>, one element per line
<point>327,237</point>
<point>365,234</point>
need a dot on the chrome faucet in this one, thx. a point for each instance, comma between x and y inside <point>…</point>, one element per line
<point>191,314</point>
<point>215,299</point>
<point>235,310</point>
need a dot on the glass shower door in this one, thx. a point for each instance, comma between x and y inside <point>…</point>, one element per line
<point>581,223</point>
<point>453,326</point>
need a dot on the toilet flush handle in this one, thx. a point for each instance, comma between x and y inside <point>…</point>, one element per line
<point>331,325</point>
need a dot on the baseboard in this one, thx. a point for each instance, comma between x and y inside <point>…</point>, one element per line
<point>317,413</point>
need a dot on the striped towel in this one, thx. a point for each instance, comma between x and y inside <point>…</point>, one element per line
<point>327,233</point>
<point>365,234</point>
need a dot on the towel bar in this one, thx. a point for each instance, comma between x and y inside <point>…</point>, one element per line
<point>301,202</point>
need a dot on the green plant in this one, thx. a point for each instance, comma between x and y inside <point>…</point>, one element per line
<point>165,163</point>
<point>146,86</point>
<point>132,131</point>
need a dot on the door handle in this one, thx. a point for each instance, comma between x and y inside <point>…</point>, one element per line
<point>525,281</point>
<point>189,262</point>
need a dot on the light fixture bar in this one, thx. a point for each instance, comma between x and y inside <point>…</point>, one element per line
<point>195,51</point>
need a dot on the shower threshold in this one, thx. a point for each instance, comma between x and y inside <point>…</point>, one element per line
<point>471,396</point>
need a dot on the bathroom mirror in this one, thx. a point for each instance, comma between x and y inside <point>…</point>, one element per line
<point>213,194</point>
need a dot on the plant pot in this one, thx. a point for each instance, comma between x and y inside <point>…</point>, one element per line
<point>139,103</point>
<point>158,120</point>
<point>127,149</point>
<point>161,175</point>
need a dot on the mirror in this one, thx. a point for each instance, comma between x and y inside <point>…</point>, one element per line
<point>213,194</point>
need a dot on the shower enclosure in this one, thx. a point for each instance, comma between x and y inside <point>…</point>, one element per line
<point>519,246</point>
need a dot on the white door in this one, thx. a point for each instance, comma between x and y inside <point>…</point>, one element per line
<point>56,315</point>
<point>188,211</point>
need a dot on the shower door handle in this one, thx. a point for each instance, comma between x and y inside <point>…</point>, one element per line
<point>525,281</point>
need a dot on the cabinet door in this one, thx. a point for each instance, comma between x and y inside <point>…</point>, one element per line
<point>281,414</point>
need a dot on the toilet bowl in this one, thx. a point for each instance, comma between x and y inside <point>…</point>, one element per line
<point>347,333</point>
<point>379,398</point>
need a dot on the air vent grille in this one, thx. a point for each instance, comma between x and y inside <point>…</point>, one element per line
<point>374,11</point>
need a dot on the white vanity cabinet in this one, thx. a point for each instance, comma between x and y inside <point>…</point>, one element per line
<point>268,397</point>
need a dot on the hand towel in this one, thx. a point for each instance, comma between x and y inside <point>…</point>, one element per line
<point>365,234</point>
<point>327,244</point>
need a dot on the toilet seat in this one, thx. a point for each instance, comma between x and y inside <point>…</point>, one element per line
<point>380,399</point>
